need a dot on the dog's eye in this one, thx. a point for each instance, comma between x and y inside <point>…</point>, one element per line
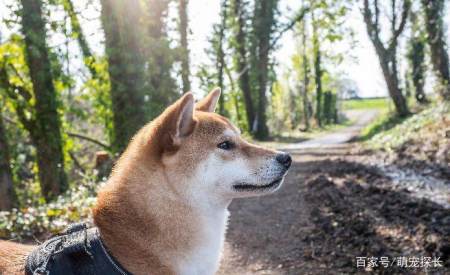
<point>226,145</point>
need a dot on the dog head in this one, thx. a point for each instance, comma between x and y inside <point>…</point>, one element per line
<point>202,153</point>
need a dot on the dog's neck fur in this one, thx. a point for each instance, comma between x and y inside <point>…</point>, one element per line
<point>160,231</point>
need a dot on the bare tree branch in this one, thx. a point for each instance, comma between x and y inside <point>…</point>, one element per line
<point>23,92</point>
<point>377,17</point>
<point>373,27</point>
<point>399,30</point>
<point>289,26</point>
<point>76,162</point>
<point>90,139</point>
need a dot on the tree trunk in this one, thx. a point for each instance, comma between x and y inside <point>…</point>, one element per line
<point>327,107</point>
<point>242,63</point>
<point>317,75</point>
<point>263,24</point>
<point>183,14</point>
<point>418,83</point>
<point>407,86</point>
<point>305,79</point>
<point>163,87</point>
<point>416,56</point>
<point>121,21</point>
<point>387,54</point>
<point>7,194</point>
<point>394,90</point>
<point>434,10</point>
<point>47,138</point>
<point>221,55</point>
<point>235,96</point>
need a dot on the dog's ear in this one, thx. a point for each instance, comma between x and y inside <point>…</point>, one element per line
<point>208,104</point>
<point>183,118</point>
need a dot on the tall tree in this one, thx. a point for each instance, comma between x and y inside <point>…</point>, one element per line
<point>387,54</point>
<point>263,27</point>
<point>184,26</point>
<point>160,57</point>
<point>220,63</point>
<point>77,32</point>
<point>239,45</point>
<point>252,46</point>
<point>434,17</point>
<point>305,62</point>
<point>46,134</point>
<point>317,70</point>
<point>416,57</point>
<point>7,194</point>
<point>123,46</point>
<point>327,19</point>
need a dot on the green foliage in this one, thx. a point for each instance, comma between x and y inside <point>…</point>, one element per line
<point>96,92</point>
<point>279,114</point>
<point>12,60</point>
<point>207,77</point>
<point>329,18</point>
<point>162,88</point>
<point>236,110</point>
<point>385,122</point>
<point>285,110</point>
<point>416,58</point>
<point>318,32</point>
<point>366,103</point>
<point>38,218</point>
<point>23,99</point>
<point>389,131</point>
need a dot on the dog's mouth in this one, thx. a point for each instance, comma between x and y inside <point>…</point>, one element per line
<point>253,187</point>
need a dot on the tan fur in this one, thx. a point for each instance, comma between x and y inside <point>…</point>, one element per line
<point>12,257</point>
<point>139,213</point>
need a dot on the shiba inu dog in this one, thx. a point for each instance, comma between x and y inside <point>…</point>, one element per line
<point>164,207</point>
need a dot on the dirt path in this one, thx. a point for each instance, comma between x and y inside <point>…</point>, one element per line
<point>361,118</point>
<point>333,208</point>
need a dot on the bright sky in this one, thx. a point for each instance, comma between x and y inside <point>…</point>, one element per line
<point>364,70</point>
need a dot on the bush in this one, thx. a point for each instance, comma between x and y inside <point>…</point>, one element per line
<point>36,220</point>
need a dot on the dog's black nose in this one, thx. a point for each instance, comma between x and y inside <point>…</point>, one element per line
<point>284,159</point>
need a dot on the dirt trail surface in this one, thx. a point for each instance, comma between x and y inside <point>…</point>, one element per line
<point>333,207</point>
<point>361,118</point>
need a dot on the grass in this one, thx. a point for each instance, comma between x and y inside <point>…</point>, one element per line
<point>390,132</point>
<point>366,103</point>
<point>385,122</point>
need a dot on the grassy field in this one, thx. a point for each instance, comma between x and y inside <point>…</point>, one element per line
<point>366,103</point>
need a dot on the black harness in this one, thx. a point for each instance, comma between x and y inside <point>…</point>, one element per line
<point>78,250</point>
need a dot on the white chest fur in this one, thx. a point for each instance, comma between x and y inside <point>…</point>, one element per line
<point>204,258</point>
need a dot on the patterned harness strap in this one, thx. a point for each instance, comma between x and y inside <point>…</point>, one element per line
<point>78,250</point>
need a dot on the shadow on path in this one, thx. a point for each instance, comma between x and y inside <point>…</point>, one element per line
<point>328,213</point>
